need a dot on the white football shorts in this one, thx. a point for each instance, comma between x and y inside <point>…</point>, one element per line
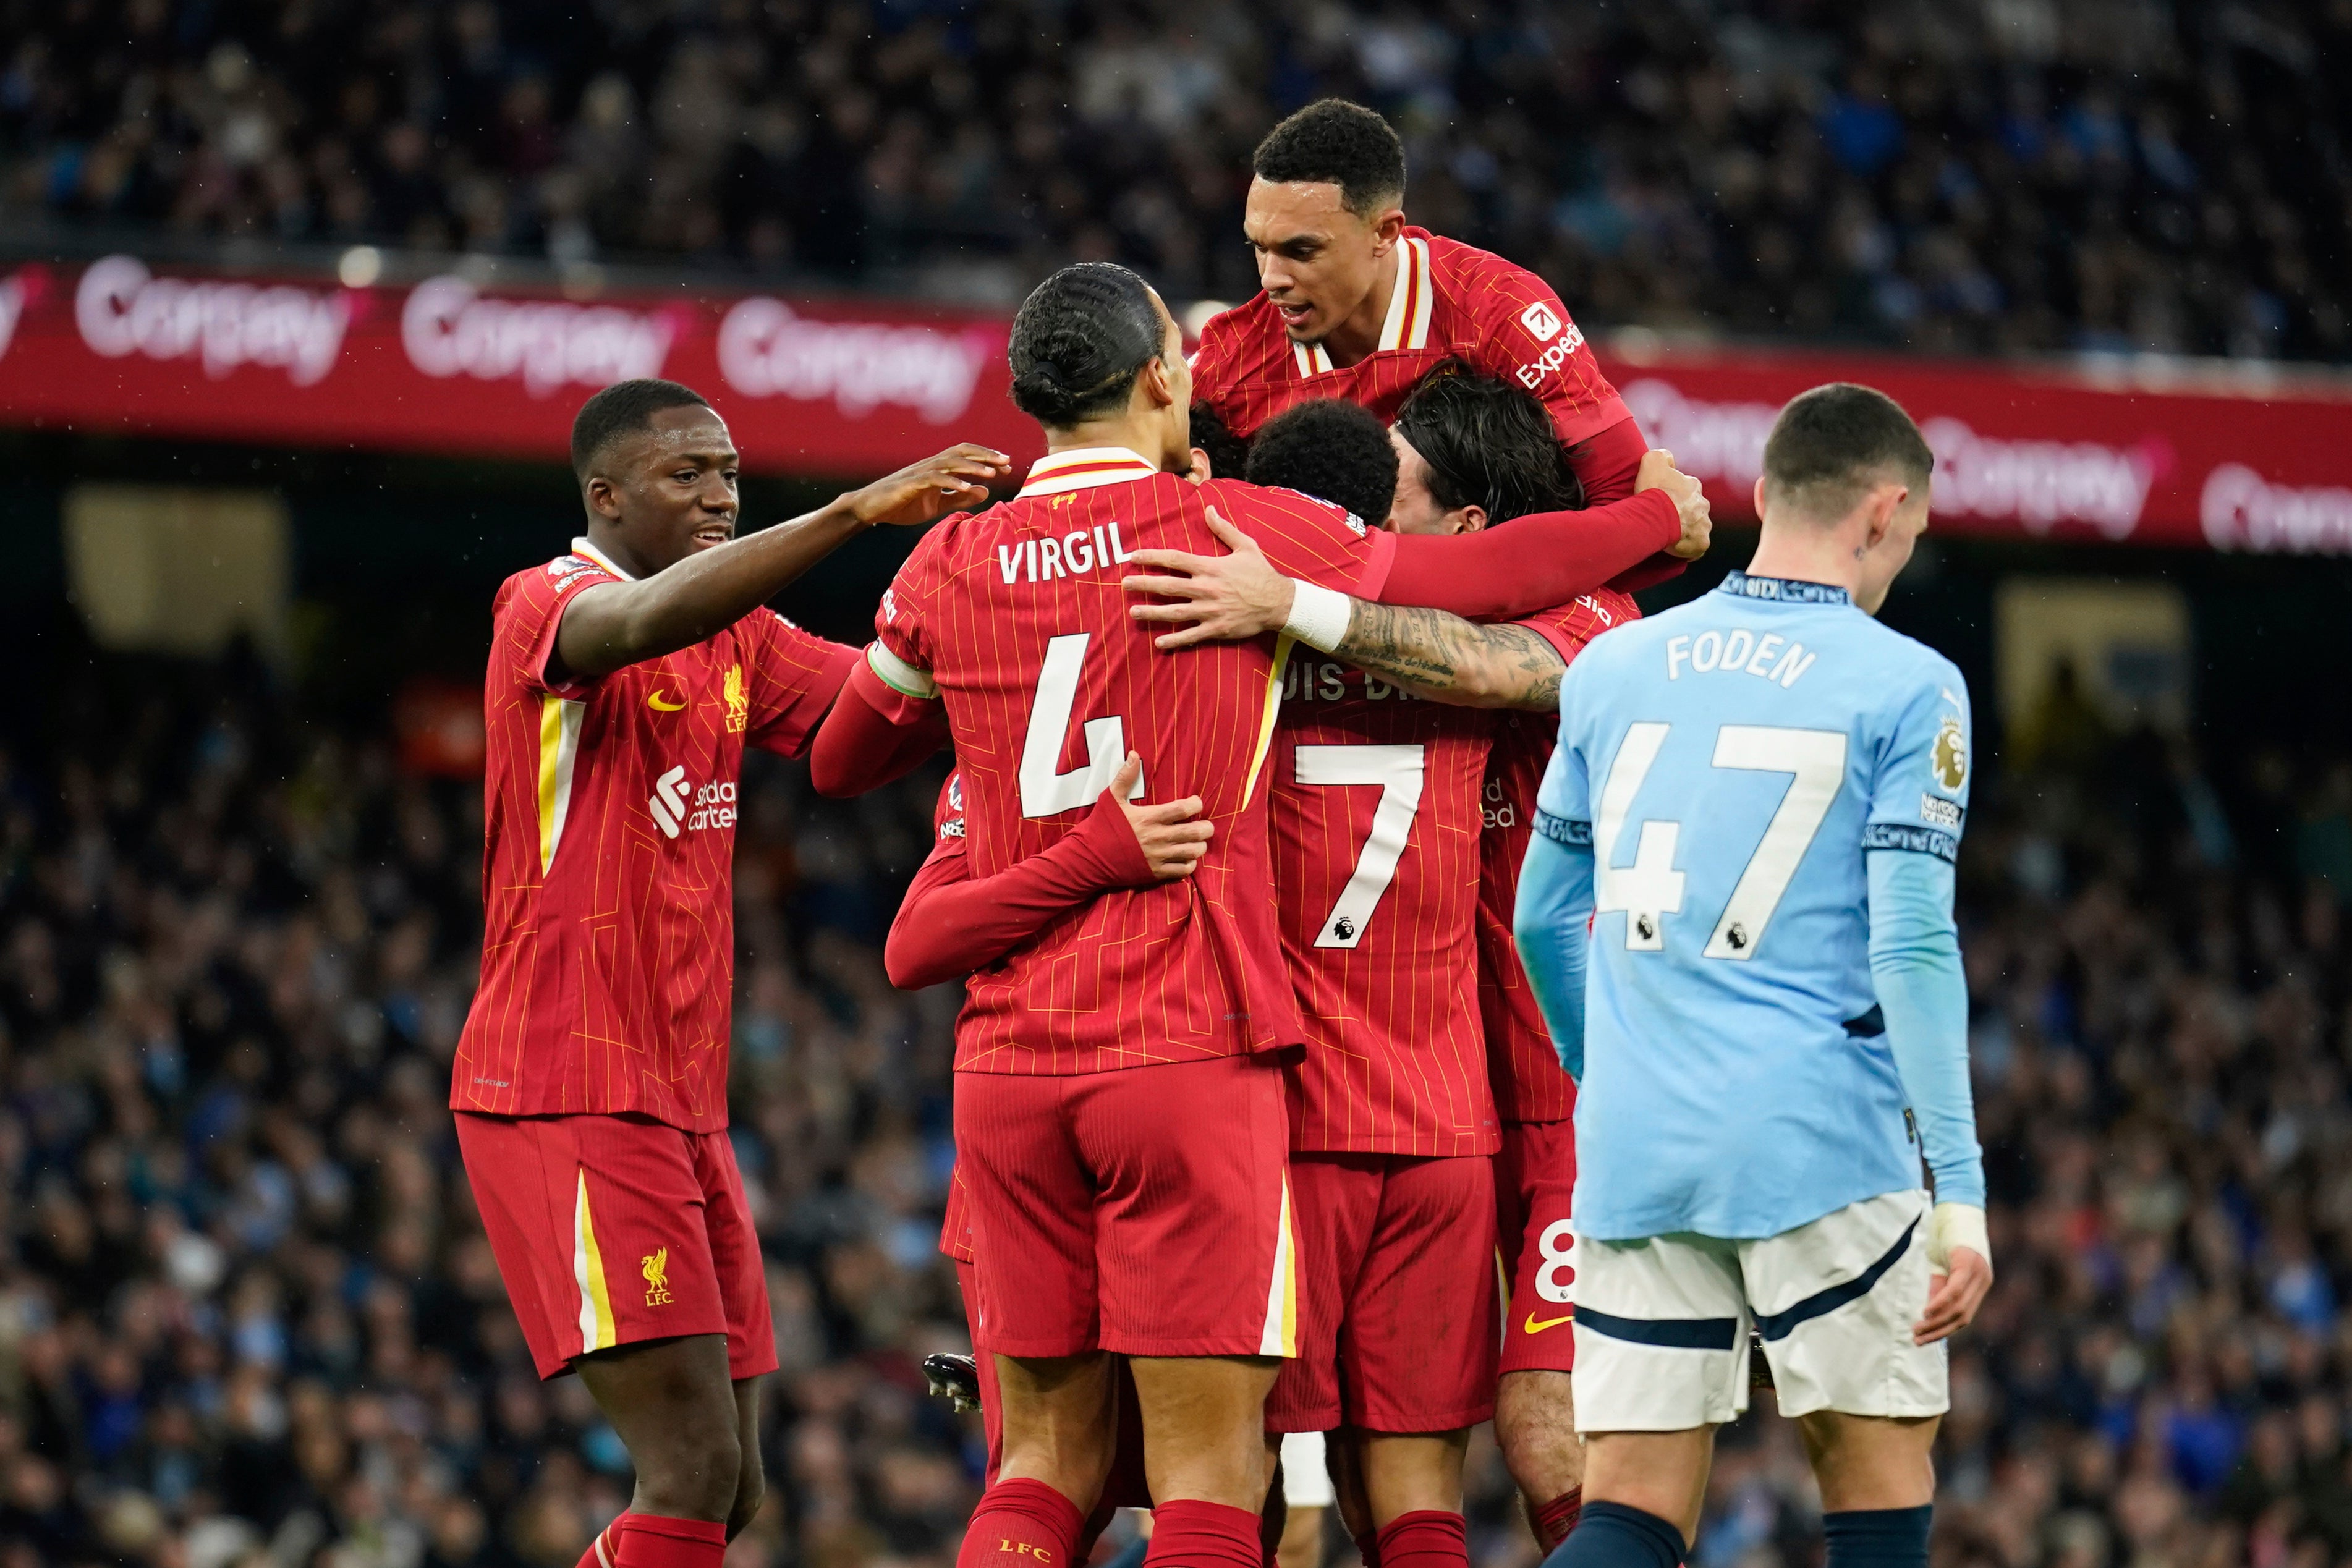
<point>1662,1324</point>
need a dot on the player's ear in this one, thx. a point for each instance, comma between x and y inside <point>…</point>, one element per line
<point>1886,500</point>
<point>603,498</point>
<point>1388,228</point>
<point>1472,518</point>
<point>1758,497</point>
<point>1157,392</point>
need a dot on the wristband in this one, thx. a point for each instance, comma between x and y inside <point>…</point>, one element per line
<point>1320,616</point>
<point>1955,1225</point>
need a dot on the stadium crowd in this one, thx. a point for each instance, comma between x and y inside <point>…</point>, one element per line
<point>1997,176</point>
<point>247,1318</point>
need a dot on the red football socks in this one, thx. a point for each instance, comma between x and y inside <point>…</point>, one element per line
<point>1189,1533</point>
<point>1022,1523</point>
<point>656,1540</point>
<point>605,1550</point>
<point>1555,1519</point>
<point>1425,1538</point>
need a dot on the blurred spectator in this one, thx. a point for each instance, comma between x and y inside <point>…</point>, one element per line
<point>1998,175</point>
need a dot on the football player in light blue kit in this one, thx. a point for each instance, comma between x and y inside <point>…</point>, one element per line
<point>1756,802</point>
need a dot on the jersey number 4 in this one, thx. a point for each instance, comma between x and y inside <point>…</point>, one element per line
<point>1398,771</point>
<point>1651,888</point>
<point>1045,791</point>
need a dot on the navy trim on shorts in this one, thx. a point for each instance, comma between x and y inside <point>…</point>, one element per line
<point>1674,1333</point>
<point>1776,1326</point>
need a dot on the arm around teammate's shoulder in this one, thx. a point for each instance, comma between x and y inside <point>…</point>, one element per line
<point>611,625</point>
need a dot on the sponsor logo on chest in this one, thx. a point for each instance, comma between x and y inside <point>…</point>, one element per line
<point>679,806</point>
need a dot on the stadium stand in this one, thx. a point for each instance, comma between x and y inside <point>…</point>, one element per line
<point>247,1318</point>
<point>2003,176</point>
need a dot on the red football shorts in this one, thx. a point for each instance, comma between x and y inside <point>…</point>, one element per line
<point>1397,1333</point>
<point>1126,1485</point>
<point>613,1230</point>
<point>1143,1210</point>
<point>1535,1172</point>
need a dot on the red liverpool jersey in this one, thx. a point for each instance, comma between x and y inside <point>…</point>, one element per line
<point>1014,617</point>
<point>1376,861</point>
<point>1451,301</point>
<point>1529,1083</point>
<point>608,910</point>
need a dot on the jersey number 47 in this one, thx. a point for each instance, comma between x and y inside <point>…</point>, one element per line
<point>1651,888</point>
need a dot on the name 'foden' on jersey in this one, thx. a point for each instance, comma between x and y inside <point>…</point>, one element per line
<point>1739,651</point>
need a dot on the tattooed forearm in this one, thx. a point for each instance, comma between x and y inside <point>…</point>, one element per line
<point>1451,660</point>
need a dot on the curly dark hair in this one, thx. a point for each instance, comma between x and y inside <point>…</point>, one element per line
<point>1080,338</point>
<point>1336,142</point>
<point>1228,453</point>
<point>1487,444</point>
<point>1330,449</point>
<point>625,408</point>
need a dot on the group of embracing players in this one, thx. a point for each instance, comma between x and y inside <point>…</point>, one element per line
<point>1249,687</point>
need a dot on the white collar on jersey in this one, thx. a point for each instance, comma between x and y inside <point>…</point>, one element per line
<point>586,551</point>
<point>1410,305</point>
<point>1084,468</point>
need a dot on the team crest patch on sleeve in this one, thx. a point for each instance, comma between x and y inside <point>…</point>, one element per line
<point>1948,761</point>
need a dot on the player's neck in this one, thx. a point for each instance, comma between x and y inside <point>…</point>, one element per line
<point>1808,555</point>
<point>1145,436</point>
<point>607,541</point>
<point>1360,334</point>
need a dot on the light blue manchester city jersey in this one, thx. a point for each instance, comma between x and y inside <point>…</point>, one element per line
<point>1732,762</point>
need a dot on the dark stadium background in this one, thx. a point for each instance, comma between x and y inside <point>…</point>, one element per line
<point>246,1316</point>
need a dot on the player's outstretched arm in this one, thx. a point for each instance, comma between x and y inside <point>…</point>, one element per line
<point>872,737</point>
<point>1551,923</point>
<point>1432,653</point>
<point>615,624</point>
<point>1496,574</point>
<point>1923,993</point>
<point>951,923</point>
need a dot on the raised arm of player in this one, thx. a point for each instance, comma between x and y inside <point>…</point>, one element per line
<point>950,922</point>
<point>613,624</point>
<point>1437,653</point>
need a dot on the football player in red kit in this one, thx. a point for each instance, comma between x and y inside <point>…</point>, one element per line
<point>1394,1090</point>
<point>1119,1116</point>
<point>590,1081</point>
<point>1357,303</point>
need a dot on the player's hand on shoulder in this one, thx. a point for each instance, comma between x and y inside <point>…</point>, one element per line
<point>917,494</point>
<point>1658,473</point>
<point>1960,1259</point>
<point>1218,598</point>
<point>1171,834</point>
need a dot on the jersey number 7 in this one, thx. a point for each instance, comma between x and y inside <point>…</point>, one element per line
<point>1399,771</point>
<point>1651,888</point>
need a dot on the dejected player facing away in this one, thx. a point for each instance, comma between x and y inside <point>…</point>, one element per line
<point>590,1081</point>
<point>1738,915</point>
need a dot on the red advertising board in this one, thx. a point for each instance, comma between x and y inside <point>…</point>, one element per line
<point>2149,452</point>
<point>821,387</point>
